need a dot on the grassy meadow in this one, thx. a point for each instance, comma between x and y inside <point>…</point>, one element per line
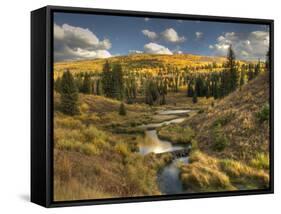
<point>101,108</point>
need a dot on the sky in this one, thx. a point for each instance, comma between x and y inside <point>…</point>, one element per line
<point>88,36</point>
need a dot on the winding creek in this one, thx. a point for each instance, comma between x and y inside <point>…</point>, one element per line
<point>168,178</point>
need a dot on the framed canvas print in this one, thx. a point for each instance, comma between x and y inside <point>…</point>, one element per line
<point>141,106</point>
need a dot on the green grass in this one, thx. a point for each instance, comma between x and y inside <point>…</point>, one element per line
<point>177,134</point>
<point>219,139</point>
<point>264,114</point>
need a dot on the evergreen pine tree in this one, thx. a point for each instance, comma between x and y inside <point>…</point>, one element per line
<point>251,74</point>
<point>69,94</point>
<point>190,89</point>
<point>57,84</point>
<point>233,71</point>
<point>107,80</point>
<point>242,77</point>
<point>267,62</point>
<point>86,86</point>
<point>257,69</point>
<point>117,78</point>
<point>194,98</point>
<point>216,90</point>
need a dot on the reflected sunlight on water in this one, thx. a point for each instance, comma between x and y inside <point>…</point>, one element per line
<point>154,144</point>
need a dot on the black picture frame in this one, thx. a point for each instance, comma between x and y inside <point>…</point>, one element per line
<point>42,105</point>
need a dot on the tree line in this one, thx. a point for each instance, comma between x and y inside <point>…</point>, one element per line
<point>126,86</point>
<point>220,84</point>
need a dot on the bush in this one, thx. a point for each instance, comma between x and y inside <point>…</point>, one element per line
<point>264,114</point>
<point>194,145</point>
<point>122,149</point>
<point>122,110</point>
<point>220,141</point>
<point>84,107</point>
<point>222,121</point>
<point>92,134</point>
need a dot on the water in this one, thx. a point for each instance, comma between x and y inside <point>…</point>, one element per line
<point>168,179</point>
<point>167,112</point>
<point>154,144</point>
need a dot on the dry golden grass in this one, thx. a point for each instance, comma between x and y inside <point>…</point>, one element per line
<point>91,161</point>
<point>234,117</point>
<point>205,173</point>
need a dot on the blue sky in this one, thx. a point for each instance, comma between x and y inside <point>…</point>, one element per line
<point>79,36</point>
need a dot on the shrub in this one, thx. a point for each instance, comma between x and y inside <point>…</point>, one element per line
<point>220,141</point>
<point>122,110</point>
<point>84,107</point>
<point>264,114</point>
<point>222,121</point>
<point>92,134</point>
<point>122,149</point>
<point>194,144</point>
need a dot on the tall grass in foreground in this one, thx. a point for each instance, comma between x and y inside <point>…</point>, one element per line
<point>205,173</point>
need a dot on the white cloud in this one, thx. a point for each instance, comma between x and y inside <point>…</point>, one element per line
<point>135,52</point>
<point>105,44</point>
<point>154,48</point>
<point>170,35</point>
<point>251,46</point>
<point>72,42</point>
<point>102,54</point>
<point>178,52</point>
<point>199,35</point>
<point>58,32</point>
<point>150,34</point>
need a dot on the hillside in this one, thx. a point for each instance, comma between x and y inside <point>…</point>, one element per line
<point>236,119</point>
<point>143,62</point>
<point>232,150</point>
